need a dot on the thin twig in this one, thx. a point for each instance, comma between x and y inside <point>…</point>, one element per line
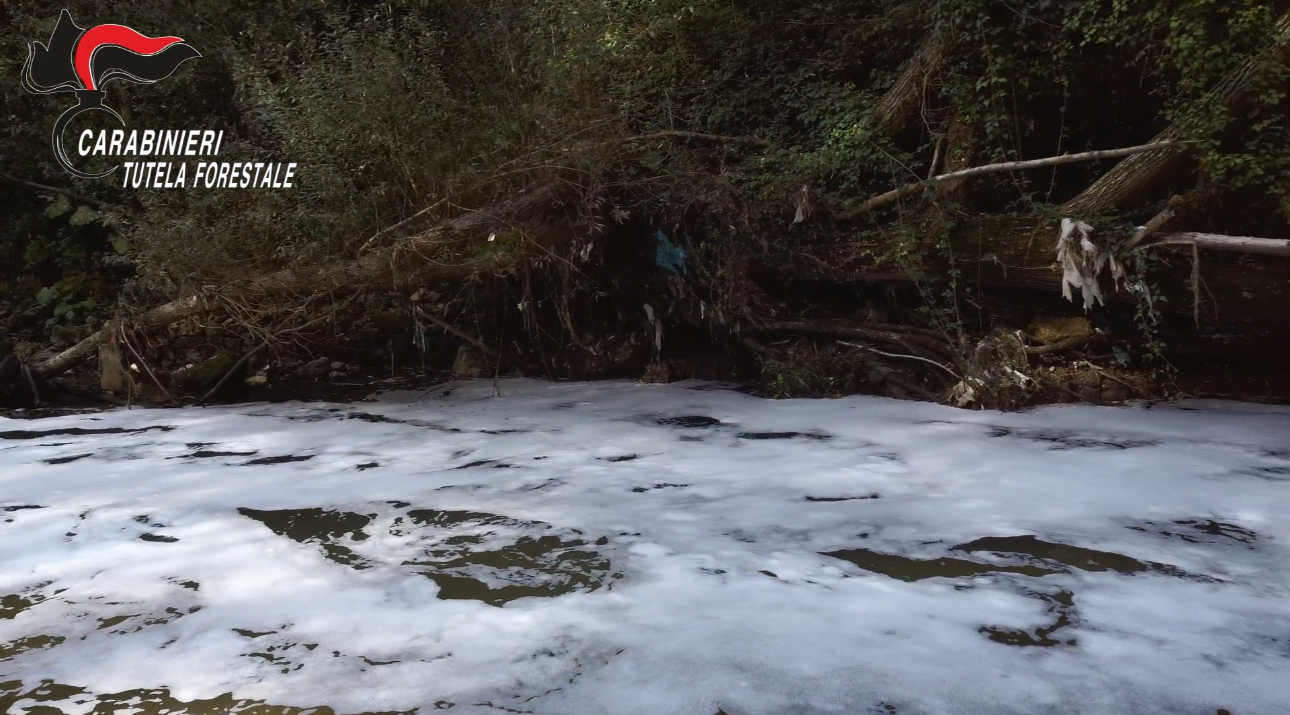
<point>402,223</point>
<point>918,186</point>
<point>897,328</point>
<point>851,329</point>
<point>137,356</point>
<point>453,330</point>
<point>898,355</point>
<point>1112,378</point>
<point>233,371</point>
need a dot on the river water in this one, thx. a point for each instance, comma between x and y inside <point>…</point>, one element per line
<point>604,548</point>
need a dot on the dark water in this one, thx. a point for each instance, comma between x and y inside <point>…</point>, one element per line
<point>469,555</point>
<point>1032,559</point>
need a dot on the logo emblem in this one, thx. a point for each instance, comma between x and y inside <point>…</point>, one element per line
<point>82,61</point>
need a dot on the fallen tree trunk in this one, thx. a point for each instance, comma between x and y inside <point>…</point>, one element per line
<point>1011,260</point>
<point>1135,176</point>
<point>719,138</point>
<point>416,261</point>
<point>169,313</point>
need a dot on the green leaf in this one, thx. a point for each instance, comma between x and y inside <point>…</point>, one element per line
<point>58,207</point>
<point>46,296</point>
<point>84,215</point>
<point>120,245</point>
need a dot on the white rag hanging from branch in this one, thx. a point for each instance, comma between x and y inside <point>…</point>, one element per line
<point>1082,263</point>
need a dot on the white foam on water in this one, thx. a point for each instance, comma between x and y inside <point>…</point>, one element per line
<point>710,588</point>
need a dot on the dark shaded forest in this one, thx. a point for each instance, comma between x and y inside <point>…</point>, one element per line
<point>981,202</point>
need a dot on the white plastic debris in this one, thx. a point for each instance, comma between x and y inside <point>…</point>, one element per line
<point>1081,264</point>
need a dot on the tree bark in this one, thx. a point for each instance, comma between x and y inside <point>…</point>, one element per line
<point>1134,177</point>
<point>903,100</point>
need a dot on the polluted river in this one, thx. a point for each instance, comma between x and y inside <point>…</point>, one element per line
<point>622,548</point>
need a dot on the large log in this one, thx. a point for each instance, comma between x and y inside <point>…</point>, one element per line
<point>1009,255</point>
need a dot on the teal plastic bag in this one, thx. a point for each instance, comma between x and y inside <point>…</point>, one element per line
<point>669,256</point>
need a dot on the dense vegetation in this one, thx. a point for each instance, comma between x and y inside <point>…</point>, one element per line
<point>531,175</point>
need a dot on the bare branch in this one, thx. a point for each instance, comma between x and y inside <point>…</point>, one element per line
<point>850,329</point>
<point>918,186</point>
<point>233,371</point>
<point>905,357</point>
<point>1236,244</point>
<point>401,224</point>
